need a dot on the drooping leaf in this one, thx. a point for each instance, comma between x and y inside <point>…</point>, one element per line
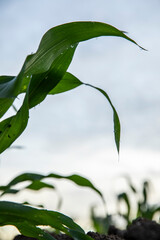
<point>69,82</point>
<point>58,39</point>
<point>55,42</point>
<point>117,126</point>
<point>37,183</point>
<point>26,219</point>
<point>43,70</point>
<point>79,180</point>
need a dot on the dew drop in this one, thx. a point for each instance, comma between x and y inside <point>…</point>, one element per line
<point>40,235</point>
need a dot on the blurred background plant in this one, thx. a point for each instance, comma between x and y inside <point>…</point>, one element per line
<point>35,182</point>
<point>126,212</point>
<point>130,204</point>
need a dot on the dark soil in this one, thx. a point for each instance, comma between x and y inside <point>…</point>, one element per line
<point>140,229</point>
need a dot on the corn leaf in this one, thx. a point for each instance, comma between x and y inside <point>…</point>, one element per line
<point>62,37</point>
<point>37,184</point>
<point>42,71</point>
<point>26,219</point>
<point>12,127</point>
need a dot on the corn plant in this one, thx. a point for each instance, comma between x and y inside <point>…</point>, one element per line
<point>45,73</point>
<point>143,208</point>
<point>37,183</point>
<point>101,224</point>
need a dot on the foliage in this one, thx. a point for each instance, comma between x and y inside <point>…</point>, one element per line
<point>44,70</point>
<point>44,73</point>
<point>143,208</point>
<point>26,219</point>
<point>37,183</point>
<point>100,224</point>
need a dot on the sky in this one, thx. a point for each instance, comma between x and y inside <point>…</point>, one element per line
<point>73,132</point>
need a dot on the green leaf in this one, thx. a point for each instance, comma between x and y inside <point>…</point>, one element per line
<point>38,185</point>
<point>67,83</point>
<point>9,89</point>
<point>12,127</point>
<point>59,38</point>
<point>130,184</point>
<point>35,185</point>
<point>36,180</point>
<point>70,82</point>
<point>42,84</point>
<point>117,126</point>
<point>10,191</point>
<point>5,104</point>
<point>38,88</point>
<point>145,191</point>
<point>54,43</point>
<point>42,71</point>
<point>8,86</point>
<point>100,224</point>
<point>26,219</point>
<point>30,230</point>
<point>78,180</point>
<point>124,196</point>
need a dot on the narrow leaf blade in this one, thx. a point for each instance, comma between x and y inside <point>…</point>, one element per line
<point>36,178</point>
<point>117,126</point>
<point>58,39</point>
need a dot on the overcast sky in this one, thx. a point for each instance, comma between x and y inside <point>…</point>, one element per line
<point>73,132</point>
